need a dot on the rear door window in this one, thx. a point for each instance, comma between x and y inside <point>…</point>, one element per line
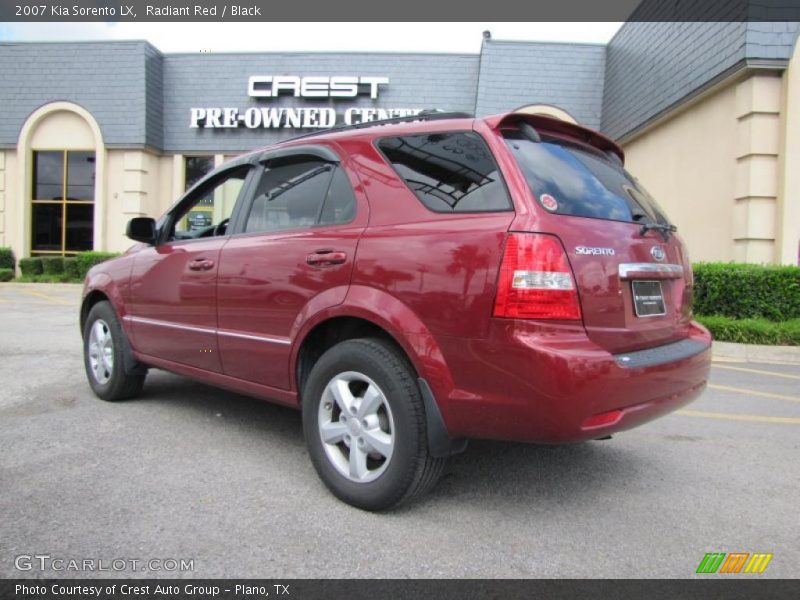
<point>571,179</point>
<point>449,172</point>
<point>300,193</point>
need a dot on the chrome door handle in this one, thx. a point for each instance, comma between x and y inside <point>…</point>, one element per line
<point>326,258</point>
<point>201,264</point>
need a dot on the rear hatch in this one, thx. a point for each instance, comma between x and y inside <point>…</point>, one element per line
<point>631,270</point>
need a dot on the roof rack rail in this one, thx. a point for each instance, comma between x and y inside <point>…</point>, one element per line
<point>426,115</point>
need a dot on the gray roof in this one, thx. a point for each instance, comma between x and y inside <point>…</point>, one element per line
<point>107,79</point>
<point>142,98</point>
<point>651,67</point>
<point>569,76</point>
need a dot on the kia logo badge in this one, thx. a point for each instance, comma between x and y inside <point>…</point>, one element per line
<point>657,252</point>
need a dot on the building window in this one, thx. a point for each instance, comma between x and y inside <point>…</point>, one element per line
<point>202,214</point>
<point>63,202</point>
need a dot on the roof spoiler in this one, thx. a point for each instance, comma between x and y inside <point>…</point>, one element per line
<point>545,123</point>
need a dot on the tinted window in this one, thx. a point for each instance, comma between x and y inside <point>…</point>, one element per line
<point>62,215</point>
<point>449,172</point>
<point>197,167</point>
<point>301,194</point>
<point>340,203</point>
<point>581,181</point>
<point>80,175</point>
<point>48,175</point>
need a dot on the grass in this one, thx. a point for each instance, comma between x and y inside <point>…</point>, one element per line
<point>55,278</point>
<point>752,331</point>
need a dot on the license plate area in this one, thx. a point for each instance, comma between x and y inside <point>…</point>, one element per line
<point>648,298</point>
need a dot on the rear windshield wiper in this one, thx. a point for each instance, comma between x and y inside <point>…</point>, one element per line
<point>664,230</point>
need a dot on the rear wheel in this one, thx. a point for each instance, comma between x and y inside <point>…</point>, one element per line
<point>365,427</point>
<point>104,346</point>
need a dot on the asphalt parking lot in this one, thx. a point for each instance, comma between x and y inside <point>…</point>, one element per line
<point>191,472</point>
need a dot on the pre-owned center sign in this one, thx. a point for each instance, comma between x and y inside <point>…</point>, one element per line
<point>305,117</point>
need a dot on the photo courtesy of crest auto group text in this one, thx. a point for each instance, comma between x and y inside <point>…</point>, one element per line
<point>361,309</point>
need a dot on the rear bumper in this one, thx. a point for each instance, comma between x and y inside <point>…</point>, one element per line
<point>551,384</point>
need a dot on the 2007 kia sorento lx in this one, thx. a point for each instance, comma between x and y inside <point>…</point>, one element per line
<point>410,285</point>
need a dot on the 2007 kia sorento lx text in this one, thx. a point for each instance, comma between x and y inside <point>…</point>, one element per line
<point>410,285</point>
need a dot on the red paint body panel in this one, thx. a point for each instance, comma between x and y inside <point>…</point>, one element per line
<point>538,383</point>
<point>264,284</point>
<point>429,280</point>
<point>165,290</point>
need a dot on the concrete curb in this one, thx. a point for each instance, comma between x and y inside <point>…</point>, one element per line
<point>728,351</point>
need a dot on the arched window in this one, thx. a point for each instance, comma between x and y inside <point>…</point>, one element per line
<point>61,166</point>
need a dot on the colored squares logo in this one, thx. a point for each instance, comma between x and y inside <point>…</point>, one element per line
<point>734,562</point>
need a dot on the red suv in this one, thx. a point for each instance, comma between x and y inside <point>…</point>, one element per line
<point>409,285</point>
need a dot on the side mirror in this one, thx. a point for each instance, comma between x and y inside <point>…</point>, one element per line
<point>142,229</point>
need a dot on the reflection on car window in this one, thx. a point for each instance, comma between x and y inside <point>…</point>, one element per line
<point>211,207</point>
<point>449,172</point>
<point>301,194</point>
<point>340,202</point>
<point>581,182</point>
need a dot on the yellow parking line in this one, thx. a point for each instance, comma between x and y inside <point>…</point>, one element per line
<point>733,417</point>
<point>757,371</point>
<point>44,296</point>
<point>727,388</point>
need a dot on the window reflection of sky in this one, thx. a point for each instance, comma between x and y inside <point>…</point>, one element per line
<point>555,170</point>
<point>584,182</point>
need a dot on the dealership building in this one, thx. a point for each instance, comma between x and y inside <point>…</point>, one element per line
<point>95,133</point>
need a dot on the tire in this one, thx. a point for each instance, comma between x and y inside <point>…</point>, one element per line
<point>372,381</point>
<point>104,349</point>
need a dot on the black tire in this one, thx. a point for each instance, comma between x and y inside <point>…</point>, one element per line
<point>411,470</point>
<point>120,384</point>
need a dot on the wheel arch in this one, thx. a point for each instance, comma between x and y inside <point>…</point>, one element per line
<point>334,330</point>
<point>92,298</point>
<point>367,312</point>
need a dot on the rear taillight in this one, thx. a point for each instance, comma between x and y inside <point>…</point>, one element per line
<point>535,280</point>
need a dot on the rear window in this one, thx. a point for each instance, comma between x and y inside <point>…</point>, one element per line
<point>449,172</point>
<point>570,179</point>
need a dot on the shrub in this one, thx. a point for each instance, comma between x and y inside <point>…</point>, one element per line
<point>52,265</point>
<point>71,272</point>
<point>7,260</point>
<point>30,266</point>
<point>6,274</point>
<point>747,291</point>
<point>86,260</point>
<point>752,331</point>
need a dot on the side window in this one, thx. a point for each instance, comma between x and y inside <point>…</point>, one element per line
<point>449,172</point>
<point>299,194</point>
<point>340,202</point>
<point>207,212</point>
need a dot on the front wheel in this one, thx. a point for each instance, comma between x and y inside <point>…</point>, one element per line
<point>365,428</point>
<point>104,345</point>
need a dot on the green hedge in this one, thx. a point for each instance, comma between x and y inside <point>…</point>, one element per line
<point>69,269</point>
<point>52,265</point>
<point>747,291</point>
<point>6,274</point>
<point>30,266</point>
<point>86,260</point>
<point>752,331</point>
<point>71,272</point>
<point>7,260</point>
